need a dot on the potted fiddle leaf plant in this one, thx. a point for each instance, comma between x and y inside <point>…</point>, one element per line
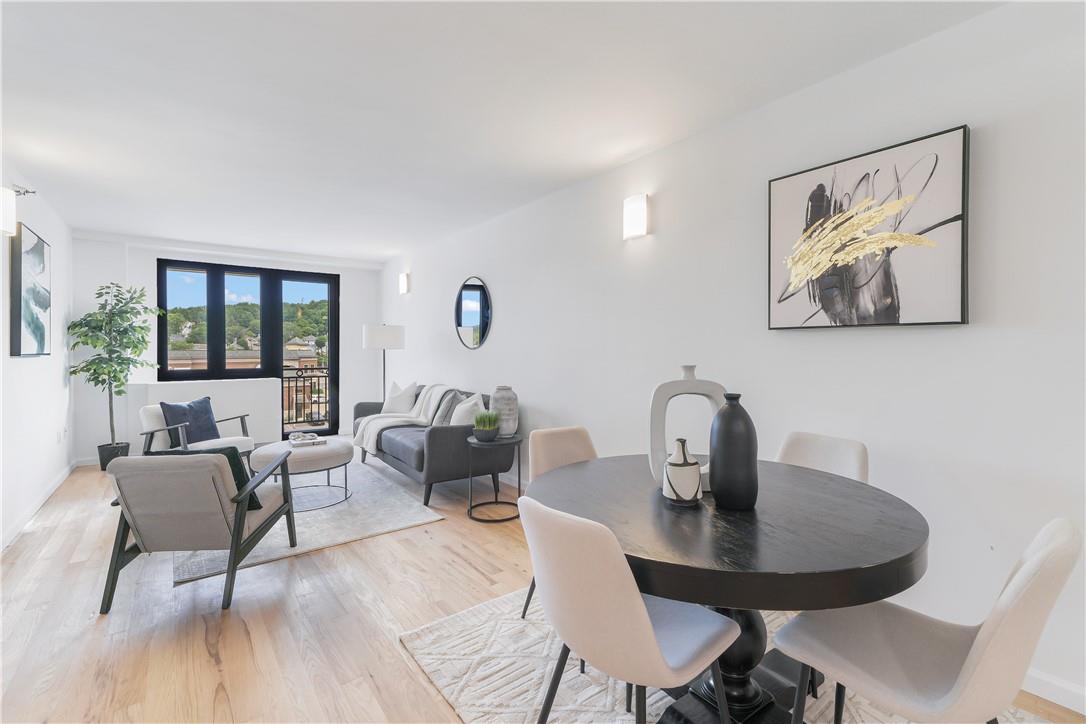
<point>118,331</point>
<point>486,426</point>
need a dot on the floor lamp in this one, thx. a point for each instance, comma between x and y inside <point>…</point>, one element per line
<point>383,337</point>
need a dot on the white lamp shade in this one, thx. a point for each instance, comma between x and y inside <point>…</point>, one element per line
<point>7,211</point>
<point>635,216</point>
<point>382,336</point>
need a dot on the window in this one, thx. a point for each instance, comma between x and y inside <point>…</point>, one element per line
<point>186,318</point>
<point>226,322</point>
<point>241,295</point>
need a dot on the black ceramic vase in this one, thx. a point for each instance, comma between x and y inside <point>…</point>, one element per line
<point>733,457</point>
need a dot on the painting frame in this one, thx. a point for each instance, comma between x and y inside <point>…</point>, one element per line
<point>963,278</point>
<point>19,278</point>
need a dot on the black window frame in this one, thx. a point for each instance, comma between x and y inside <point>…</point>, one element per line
<point>271,326</point>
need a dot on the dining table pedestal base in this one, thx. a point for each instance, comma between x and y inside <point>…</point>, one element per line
<point>760,686</point>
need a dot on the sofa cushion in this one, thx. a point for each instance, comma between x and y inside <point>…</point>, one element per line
<point>406,444</point>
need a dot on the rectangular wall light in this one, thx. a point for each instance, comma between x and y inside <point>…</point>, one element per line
<point>635,216</point>
<point>405,283</point>
<point>7,211</point>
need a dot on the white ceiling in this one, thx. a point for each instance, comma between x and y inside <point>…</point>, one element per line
<point>362,130</point>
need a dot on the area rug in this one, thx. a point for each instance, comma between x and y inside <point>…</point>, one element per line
<point>491,666</point>
<point>376,506</point>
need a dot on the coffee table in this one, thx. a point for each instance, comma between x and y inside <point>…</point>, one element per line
<point>326,457</point>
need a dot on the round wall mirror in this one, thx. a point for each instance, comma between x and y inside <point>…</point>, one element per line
<point>473,313</point>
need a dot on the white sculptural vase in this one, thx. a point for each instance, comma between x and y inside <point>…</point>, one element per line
<point>689,384</point>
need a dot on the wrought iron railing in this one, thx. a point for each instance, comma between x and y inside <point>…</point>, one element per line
<point>306,399</point>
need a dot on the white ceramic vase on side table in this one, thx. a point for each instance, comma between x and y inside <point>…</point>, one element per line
<point>504,402</point>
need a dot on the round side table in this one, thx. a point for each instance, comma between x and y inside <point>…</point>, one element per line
<point>473,443</point>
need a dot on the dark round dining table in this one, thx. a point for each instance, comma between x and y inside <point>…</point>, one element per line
<point>813,541</point>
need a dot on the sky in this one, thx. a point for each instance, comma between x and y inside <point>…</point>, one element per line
<point>469,308</point>
<point>189,289</point>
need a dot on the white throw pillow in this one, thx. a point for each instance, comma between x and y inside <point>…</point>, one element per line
<point>464,413</point>
<point>448,404</point>
<point>400,400</point>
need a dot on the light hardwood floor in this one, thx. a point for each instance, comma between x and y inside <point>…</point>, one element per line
<point>310,638</point>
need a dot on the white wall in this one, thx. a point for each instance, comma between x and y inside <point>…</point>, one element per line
<point>979,427</point>
<point>133,261</point>
<point>37,400</point>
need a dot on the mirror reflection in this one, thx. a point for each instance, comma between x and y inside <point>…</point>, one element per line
<point>473,313</point>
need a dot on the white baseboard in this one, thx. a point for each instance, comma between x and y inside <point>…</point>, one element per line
<point>12,532</point>
<point>81,462</point>
<point>1059,691</point>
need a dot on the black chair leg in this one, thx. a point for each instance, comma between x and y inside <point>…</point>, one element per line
<point>115,564</point>
<point>556,678</point>
<point>426,495</point>
<point>812,686</point>
<point>494,479</point>
<point>288,496</point>
<point>582,666</point>
<point>292,534</point>
<point>528,598</point>
<point>639,708</point>
<point>801,694</point>
<point>721,697</point>
<point>629,697</point>
<point>838,703</point>
<point>235,553</point>
<point>993,720</point>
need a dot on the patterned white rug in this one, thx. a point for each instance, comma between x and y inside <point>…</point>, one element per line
<point>376,506</point>
<point>491,666</point>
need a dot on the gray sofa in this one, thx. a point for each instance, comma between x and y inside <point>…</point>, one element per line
<point>435,454</point>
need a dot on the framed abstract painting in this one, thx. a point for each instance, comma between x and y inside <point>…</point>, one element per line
<point>873,240</point>
<point>31,294</point>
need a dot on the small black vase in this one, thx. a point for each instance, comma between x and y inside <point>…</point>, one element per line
<point>733,457</point>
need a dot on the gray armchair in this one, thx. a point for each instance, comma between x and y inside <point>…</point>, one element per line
<point>191,503</point>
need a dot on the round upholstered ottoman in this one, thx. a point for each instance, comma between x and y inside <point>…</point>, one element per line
<point>326,457</point>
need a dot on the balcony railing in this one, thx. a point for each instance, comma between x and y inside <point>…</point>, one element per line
<point>306,399</point>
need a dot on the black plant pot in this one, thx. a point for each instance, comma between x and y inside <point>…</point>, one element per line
<point>488,435</point>
<point>109,451</point>
<point>733,457</point>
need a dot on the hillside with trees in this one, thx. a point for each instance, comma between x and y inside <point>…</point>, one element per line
<point>187,326</point>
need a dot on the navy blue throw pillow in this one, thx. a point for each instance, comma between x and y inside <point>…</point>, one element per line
<point>198,415</point>
<point>237,467</point>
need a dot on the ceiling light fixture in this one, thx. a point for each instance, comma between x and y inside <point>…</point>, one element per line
<point>635,217</point>
<point>405,283</point>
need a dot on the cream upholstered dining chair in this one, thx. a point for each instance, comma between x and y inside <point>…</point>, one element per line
<point>837,455</point>
<point>156,433</point>
<point>550,448</point>
<point>192,503</point>
<point>934,671</point>
<point>592,601</point>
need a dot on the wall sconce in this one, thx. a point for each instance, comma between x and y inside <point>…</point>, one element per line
<point>405,282</point>
<point>7,211</point>
<point>635,216</point>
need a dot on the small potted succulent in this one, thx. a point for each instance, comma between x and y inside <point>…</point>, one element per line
<point>486,426</point>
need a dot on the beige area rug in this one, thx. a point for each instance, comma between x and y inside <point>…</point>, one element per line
<point>493,667</point>
<point>376,506</point>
